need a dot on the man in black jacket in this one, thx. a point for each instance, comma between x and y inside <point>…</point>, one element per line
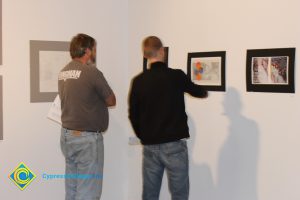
<point>157,114</point>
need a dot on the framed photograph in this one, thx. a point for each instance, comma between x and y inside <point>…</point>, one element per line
<point>47,58</point>
<point>270,70</point>
<point>166,59</point>
<point>207,69</point>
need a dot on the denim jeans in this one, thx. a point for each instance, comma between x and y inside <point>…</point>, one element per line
<point>172,157</point>
<point>84,155</point>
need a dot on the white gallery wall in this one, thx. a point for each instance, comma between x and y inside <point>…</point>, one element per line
<point>29,136</point>
<point>243,146</point>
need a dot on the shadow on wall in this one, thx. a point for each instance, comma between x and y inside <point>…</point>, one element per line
<point>237,162</point>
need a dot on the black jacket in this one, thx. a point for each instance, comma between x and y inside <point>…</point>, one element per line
<point>156,104</point>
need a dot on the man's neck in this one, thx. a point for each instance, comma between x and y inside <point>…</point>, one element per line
<point>82,60</point>
<point>153,60</point>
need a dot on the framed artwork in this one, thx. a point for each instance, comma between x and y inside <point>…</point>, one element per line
<point>207,69</point>
<point>166,59</point>
<point>47,58</point>
<point>270,70</point>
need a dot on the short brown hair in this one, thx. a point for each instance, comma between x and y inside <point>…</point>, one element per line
<point>151,46</point>
<point>80,43</point>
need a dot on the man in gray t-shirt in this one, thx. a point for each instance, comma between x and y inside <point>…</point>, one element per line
<point>85,97</point>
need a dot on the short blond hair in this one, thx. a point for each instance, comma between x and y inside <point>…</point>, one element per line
<point>151,46</point>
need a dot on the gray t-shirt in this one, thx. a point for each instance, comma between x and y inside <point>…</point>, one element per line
<point>83,90</point>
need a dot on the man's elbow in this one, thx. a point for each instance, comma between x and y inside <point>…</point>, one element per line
<point>111,101</point>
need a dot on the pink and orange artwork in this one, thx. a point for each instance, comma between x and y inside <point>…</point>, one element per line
<point>198,71</point>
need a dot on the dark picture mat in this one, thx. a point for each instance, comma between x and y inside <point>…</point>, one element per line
<point>276,88</point>
<point>166,60</point>
<point>35,47</point>
<point>222,55</point>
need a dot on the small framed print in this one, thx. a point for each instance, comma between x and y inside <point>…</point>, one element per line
<point>270,70</point>
<point>166,59</point>
<point>47,58</point>
<point>207,69</point>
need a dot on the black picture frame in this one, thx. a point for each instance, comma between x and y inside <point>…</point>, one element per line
<point>207,69</point>
<point>271,70</point>
<point>166,60</point>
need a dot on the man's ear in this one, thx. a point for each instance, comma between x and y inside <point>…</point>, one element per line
<point>162,52</point>
<point>88,51</point>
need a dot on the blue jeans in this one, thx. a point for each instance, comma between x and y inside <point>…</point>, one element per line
<point>172,157</point>
<point>84,155</point>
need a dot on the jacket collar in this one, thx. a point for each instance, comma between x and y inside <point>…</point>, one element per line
<point>156,65</point>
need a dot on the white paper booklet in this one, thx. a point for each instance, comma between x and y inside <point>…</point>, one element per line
<point>55,111</point>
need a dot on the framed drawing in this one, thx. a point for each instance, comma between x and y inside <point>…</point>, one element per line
<point>47,58</point>
<point>207,69</point>
<point>270,70</point>
<point>166,60</point>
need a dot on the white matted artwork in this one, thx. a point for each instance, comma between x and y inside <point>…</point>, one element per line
<point>51,62</point>
<point>47,58</point>
<point>206,70</point>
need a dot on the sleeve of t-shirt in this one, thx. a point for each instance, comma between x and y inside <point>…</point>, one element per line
<point>102,87</point>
